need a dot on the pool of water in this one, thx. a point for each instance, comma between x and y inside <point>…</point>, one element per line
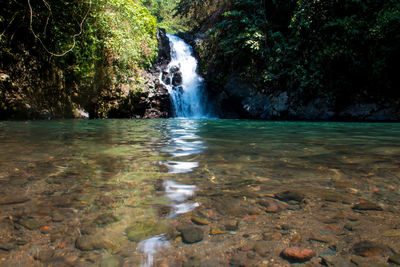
<point>183,192</point>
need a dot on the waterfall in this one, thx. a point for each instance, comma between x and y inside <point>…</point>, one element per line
<point>184,84</point>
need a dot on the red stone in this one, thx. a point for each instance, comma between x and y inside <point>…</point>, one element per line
<point>272,206</point>
<point>297,254</point>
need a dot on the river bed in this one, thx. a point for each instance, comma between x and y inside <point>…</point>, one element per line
<point>184,192</point>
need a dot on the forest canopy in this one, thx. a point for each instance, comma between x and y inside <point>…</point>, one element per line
<point>61,55</point>
<point>340,49</point>
<point>65,53</point>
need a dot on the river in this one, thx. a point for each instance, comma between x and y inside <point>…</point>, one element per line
<point>216,192</point>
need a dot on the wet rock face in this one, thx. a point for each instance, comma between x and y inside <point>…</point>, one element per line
<point>242,99</point>
<point>164,49</point>
<point>158,104</point>
<point>177,78</point>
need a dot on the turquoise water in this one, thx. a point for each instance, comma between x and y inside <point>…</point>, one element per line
<point>70,173</point>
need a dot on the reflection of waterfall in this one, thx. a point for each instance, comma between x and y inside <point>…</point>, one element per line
<point>183,143</point>
<point>185,86</point>
<point>150,246</point>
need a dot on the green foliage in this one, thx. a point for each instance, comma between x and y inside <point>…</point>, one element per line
<point>117,39</point>
<point>163,11</point>
<point>341,49</point>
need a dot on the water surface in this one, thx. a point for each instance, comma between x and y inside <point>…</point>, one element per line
<point>64,184</point>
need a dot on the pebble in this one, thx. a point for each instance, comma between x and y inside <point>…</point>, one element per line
<point>272,236</point>
<point>353,226</point>
<point>57,217</point>
<point>392,233</point>
<point>334,197</point>
<point>369,249</point>
<point>231,225</point>
<point>395,258</point>
<point>7,246</point>
<point>200,221</point>
<point>30,223</point>
<point>233,207</point>
<point>139,232</point>
<point>366,205</point>
<point>336,261</point>
<point>363,262</point>
<point>13,199</point>
<point>44,254</point>
<point>261,247</point>
<point>290,195</point>
<point>217,231</point>
<point>113,261</point>
<point>105,219</point>
<point>297,254</point>
<point>271,206</point>
<point>87,243</point>
<point>191,234</point>
<point>238,260</point>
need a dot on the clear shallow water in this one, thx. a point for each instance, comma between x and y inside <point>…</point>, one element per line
<point>127,181</point>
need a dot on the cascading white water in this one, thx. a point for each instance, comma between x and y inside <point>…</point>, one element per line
<point>185,86</point>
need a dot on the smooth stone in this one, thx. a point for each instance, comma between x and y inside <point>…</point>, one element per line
<point>191,263</point>
<point>238,260</point>
<point>87,243</point>
<point>200,221</point>
<point>233,207</point>
<point>271,206</point>
<point>56,234</point>
<point>290,195</point>
<point>328,252</point>
<point>217,231</point>
<point>331,197</point>
<point>113,261</point>
<point>392,233</point>
<point>139,232</point>
<point>369,249</point>
<point>198,263</point>
<point>57,217</point>
<point>191,234</point>
<point>163,211</point>
<point>105,219</point>
<point>395,258</point>
<point>59,262</point>
<point>353,226</point>
<point>261,247</point>
<point>30,223</point>
<point>7,246</point>
<point>231,225</point>
<point>159,185</point>
<point>320,237</point>
<point>336,261</point>
<point>13,199</point>
<point>367,206</point>
<point>363,262</point>
<point>297,254</point>
<point>44,255</point>
<point>272,236</point>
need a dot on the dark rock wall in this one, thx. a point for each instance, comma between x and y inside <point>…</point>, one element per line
<point>240,99</point>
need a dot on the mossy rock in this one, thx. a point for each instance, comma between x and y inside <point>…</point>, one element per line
<point>142,231</point>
